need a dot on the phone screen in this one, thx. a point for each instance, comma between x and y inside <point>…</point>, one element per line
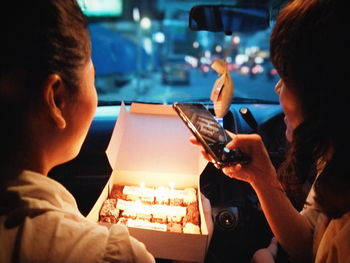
<point>210,133</point>
<point>205,127</point>
<point>205,123</point>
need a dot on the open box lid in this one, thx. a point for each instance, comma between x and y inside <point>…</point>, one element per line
<point>152,138</point>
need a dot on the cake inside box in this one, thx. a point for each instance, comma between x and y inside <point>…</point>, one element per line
<point>157,208</point>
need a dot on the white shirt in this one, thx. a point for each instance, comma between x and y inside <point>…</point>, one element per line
<point>331,237</point>
<point>40,222</point>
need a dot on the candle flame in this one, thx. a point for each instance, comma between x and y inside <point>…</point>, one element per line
<point>172,185</point>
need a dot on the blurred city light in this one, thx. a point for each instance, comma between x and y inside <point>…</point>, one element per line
<point>136,14</point>
<point>236,40</point>
<point>159,37</point>
<point>146,23</point>
<point>195,44</point>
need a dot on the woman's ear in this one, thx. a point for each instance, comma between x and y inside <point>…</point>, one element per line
<point>54,95</point>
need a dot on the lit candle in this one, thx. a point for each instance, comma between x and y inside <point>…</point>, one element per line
<point>142,185</point>
<point>172,192</point>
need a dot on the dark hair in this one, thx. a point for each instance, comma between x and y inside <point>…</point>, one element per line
<point>308,48</point>
<point>38,38</point>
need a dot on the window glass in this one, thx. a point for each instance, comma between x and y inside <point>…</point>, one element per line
<point>146,52</point>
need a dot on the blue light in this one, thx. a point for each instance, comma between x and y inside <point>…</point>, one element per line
<point>97,8</point>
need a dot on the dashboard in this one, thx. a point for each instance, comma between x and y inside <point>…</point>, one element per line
<point>238,219</point>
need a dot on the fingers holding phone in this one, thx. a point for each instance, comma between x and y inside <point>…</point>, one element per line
<point>207,156</point>
<point>260,165</point>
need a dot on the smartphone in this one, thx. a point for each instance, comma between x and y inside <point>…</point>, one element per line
<point>209,133</point>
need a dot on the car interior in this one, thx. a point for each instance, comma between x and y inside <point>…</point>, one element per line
<point>240,227</point>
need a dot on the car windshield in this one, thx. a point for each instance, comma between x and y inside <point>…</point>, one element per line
<point>144,51</point>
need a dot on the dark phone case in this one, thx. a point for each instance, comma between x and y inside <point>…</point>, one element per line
<point>209,133</point>
<point>215,133</point>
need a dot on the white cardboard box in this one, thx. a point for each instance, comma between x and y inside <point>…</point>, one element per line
<point>150,145</point>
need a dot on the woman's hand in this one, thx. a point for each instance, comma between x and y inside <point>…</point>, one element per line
<point>260,165</point>
<point>266,255</point>
<point>252,145</point>
<point>194,141</point>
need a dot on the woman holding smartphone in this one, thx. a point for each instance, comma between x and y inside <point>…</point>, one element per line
<point>311,91</point>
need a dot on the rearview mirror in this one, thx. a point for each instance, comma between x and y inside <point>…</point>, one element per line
<point>228,19</point>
